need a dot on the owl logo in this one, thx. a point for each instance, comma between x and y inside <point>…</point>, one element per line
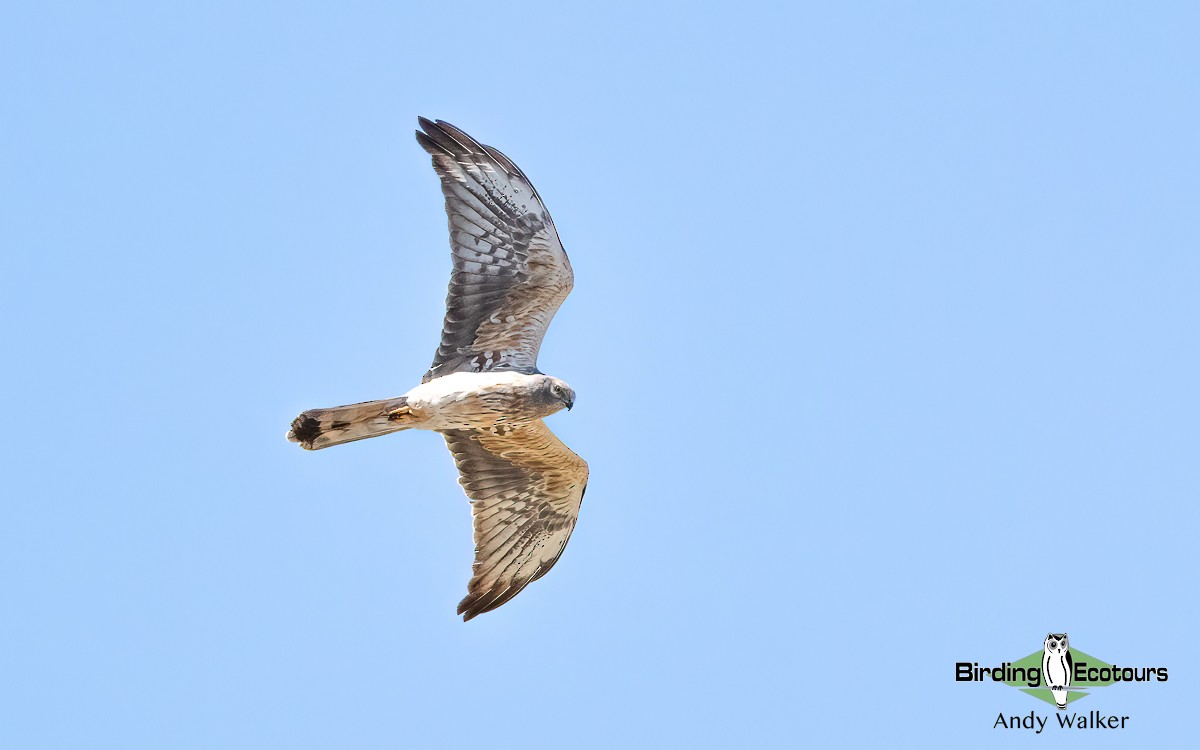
<point>1057,667</point>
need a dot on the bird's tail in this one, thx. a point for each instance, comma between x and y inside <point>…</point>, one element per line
<point>320,428</point>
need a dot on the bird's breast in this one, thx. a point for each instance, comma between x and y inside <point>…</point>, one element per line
<point>467,400</point>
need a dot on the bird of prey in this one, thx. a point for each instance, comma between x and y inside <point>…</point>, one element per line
<point>484,392</point>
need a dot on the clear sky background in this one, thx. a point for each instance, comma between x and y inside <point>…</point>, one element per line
<point>884,336</point>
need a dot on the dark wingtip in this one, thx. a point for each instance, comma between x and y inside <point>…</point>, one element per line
<point>427,143</point>
<point>449,138</point>
<point>304,431</point>
<point>480,601</point>
<point>475,604</point>
<point>456,133</point>
<point>466,607</point>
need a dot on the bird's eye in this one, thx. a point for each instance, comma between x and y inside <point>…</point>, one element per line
<point>557,390</point>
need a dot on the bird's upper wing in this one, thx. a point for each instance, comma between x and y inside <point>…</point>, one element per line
<point>525,488</point>
<point>510,270</point>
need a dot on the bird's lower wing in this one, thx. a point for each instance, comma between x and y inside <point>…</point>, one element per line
<point>525,488</point>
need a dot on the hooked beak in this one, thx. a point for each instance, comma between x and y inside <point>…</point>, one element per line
<point>570,404</point>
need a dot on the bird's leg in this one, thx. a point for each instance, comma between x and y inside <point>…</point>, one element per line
<point>402,415</point>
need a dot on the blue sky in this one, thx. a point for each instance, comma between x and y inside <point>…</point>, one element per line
<point>884,339</point>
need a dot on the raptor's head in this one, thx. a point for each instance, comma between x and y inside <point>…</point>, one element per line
<point>553,394</point>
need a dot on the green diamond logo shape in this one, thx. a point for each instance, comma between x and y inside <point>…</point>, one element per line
<point>1078,688</point>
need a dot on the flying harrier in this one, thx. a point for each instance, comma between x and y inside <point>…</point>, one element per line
<point>484,392</point>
